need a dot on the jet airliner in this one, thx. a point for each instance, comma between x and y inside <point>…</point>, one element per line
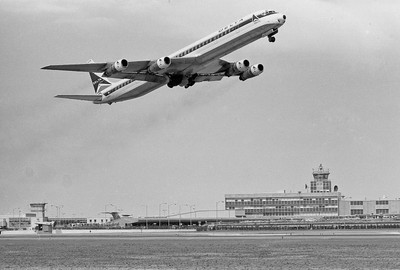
<point>200,61</point>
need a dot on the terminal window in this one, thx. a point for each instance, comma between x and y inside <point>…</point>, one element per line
<point>356,203</point>
<point>382,211</point>
<point>356,212</point>
<point>382,202</point>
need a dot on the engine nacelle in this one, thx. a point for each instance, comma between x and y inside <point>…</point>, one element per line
<point>238,67</point>
<point>251,72</point>
<point>118,66</point>
<point>160,64</point>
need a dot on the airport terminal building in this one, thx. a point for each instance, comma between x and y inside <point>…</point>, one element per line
<point>34,220</point>
<point>381,207</point>
<point>283,204</point>
<point>318,201</point>
<point>37,220</point>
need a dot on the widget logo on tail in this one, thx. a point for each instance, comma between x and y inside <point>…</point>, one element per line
<point>98,82</point>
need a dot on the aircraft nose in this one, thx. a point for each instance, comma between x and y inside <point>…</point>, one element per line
<point>282,19</point>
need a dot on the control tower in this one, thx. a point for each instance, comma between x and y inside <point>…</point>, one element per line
<point>321,183</point>
<point>39,209</point>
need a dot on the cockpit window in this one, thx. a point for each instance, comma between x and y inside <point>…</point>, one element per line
<point>266,13</point>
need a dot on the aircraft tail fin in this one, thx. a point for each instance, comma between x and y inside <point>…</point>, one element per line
<point>99,83</point>
<point>115,215</point>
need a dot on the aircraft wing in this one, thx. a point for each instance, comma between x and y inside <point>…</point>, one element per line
<point>98,67</point>
<point>141,76</point>
<point>214,72</point>
<point>177,64</point>
<point>91,67</point>
<point>211,77</point>
<point>138,70</point>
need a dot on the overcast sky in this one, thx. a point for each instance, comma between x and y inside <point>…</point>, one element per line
<point>329,94</point>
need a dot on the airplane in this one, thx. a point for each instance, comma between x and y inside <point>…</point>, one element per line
<point>123,220</point>
<point>199,62</point>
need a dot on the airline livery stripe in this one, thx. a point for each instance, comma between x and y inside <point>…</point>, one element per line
<point>198,46</point>
<point>224,31</point>
<point>118,87</point>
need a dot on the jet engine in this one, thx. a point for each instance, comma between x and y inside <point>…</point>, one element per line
<point>118,66</point>
<point>238,67</point>
<point>161,63</point>
<point>251,72</point>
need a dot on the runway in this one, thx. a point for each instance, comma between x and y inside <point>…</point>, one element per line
<point>204,250</point>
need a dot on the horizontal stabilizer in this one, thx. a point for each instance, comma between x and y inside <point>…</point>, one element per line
<point>81,97</point>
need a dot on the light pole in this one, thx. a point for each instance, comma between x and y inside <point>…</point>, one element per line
<point>147,225</point>
<point>58,207</point>
<point>179,225</point>
<point>168,211</point>
<point>19,219</point>
<point>159,214</point>
<point>194,210</point>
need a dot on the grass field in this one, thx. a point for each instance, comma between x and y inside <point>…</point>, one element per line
<point>203,251</point>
